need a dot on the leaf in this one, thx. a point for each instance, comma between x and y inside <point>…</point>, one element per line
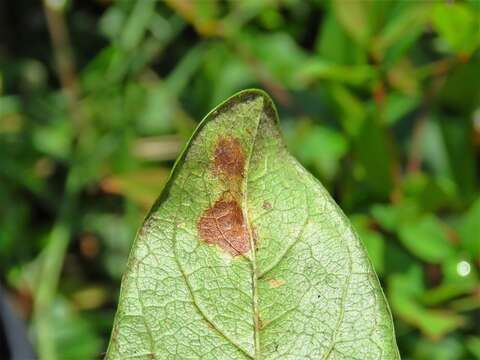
<point>404,292</point>
<point>79,339</point>
<point>334,44</point>
<point>377,164</point>
<point>469,229</point>
<point>318,69</point>
<point>140,186</point>
<point>473,344</point>
<point>308,138</point>
<point>457,134</point>
<point>449,348</point>
<point>426,239</point>
<point>457,25</point>
<point>407,25</point>
<point>353,15</point>
<point>246,256</point>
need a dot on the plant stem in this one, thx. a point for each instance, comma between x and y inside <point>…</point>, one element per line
<point>51,265</point>
<point>52,257</point>
<point>64,59</point>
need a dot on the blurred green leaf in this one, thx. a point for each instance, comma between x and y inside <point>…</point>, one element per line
<point>473,345</point>
<point>306,141</point>
<point>316,69</point>
<point>460,150</point>
<point>269,51</point>
<point>353,15</point>
<point>469,229</point>
<point>136,24</point>
<point>375,155</point>
<point>459,278</point>
<point>450,348</point>
<point>404,291</point>
<point>431,194</point>
<point>407,23</point>
<point>116,234</point>
<point>335,46</point>
<point>54,139</point>
<point>351,111</point>
<point>457,25</point>
<point>77,339</point>
<point>458,92</point>
<point>391,217</point>
<point>9,105</point>
<point>399,105</point>
<point>141,186</point>
<point>426,238</point>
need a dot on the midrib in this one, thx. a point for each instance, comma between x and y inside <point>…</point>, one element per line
<point>253,262</point>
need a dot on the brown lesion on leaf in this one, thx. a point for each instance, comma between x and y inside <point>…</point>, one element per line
<point>229,158</point>
<point>260,323</point>
<point>275,283</point>
<point>224,225</point>
<point>266,205</point>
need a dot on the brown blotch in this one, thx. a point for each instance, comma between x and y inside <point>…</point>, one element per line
<point>275,283</point>
<point>229,158</point>
<point>224,225</point>
<point>260,324</point>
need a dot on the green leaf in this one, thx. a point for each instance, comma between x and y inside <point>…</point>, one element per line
<point>404,292</point>
<point>318,69</point>
<point>140,186</point>
<point>457,135</point>
<point>78,340</point>
<point>426,239</point>
<point>246,256</point>
<point>353,15</point>
<point>334,44</point>
<point>473,344</point>
<point>457,25</point>
<point>449,348</point>
<point>308,138</point>
<point>470,228</point>
<point>391,217</point>
<point>409,20</point>
<point>377,165</point>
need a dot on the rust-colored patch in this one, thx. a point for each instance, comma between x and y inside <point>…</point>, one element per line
<point>275,283</point>
<point>260,324</point>
<point>229,158</point>
<point>224,225</point>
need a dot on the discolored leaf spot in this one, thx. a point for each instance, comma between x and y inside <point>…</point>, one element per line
<point>224,225</point>
<point>229,158</point>
<point>275,283</point>
<point>266,205</point>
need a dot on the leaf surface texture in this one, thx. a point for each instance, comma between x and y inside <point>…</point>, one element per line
<point>246,256</point>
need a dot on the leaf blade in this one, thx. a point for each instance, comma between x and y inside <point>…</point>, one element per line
<point>240,249</point>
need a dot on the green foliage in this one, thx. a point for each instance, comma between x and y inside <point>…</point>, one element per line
<point>380,100</point>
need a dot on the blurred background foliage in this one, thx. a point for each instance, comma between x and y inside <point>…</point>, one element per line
<point>378,99</point>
